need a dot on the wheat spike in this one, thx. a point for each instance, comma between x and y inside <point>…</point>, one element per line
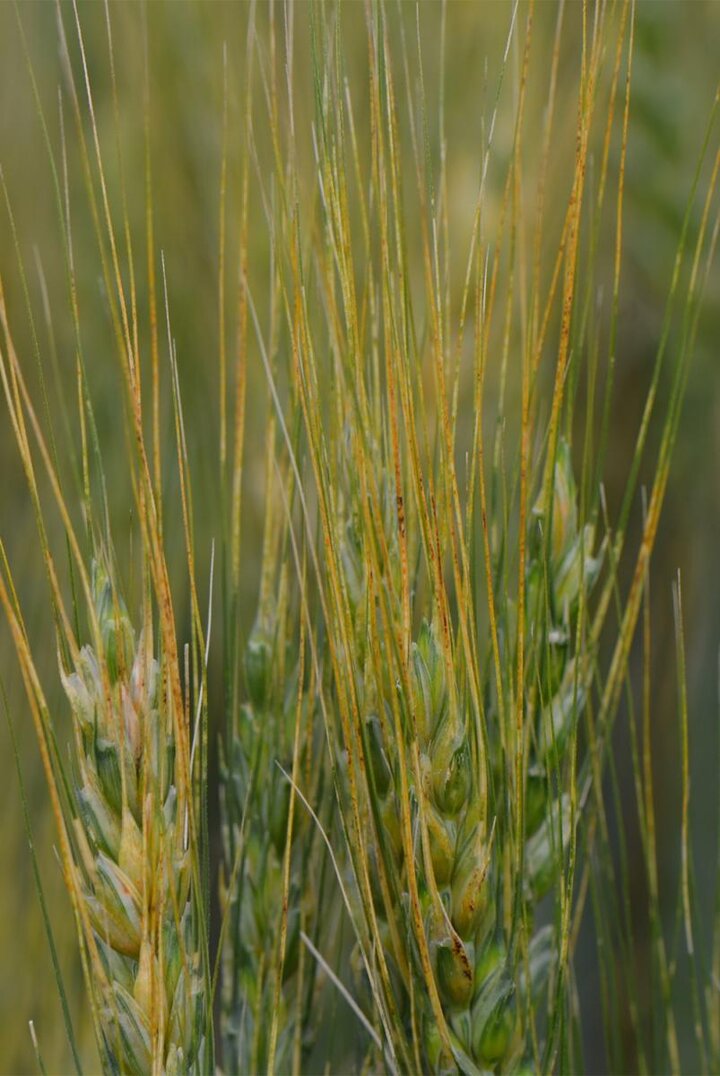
<point>134,867</point>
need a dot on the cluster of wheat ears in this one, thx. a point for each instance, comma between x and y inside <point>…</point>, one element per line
<point>415,735</point>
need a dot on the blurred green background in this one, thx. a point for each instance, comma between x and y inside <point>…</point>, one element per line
<point>677,45</point>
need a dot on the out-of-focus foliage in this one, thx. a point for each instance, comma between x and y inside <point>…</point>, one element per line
<point>675,67</point>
